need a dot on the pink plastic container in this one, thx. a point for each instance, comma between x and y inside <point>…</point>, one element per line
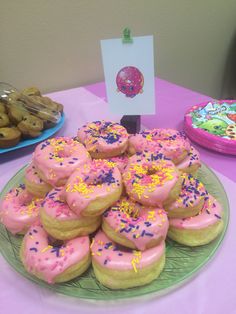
<point>212,124</point>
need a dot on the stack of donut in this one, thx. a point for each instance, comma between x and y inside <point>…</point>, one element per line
<point>111,199</point>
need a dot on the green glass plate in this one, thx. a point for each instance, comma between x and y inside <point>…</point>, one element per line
<point>182,262</point>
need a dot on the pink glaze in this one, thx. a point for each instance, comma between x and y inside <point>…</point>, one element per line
<point>120,161</point>
<point>110,255</point>
<point>19,210</point>
<point>192,192</point>
<point>56,207</point>
<point>96,180</point>
<point>137,223</point>
<point>58,157</point>
<point>209,215</point>
<point>50,261</point>
<point>31,175</point>
<point>150,189</point>
<point>192,159</point>
<point>103,136</point>
<point>169,142</point>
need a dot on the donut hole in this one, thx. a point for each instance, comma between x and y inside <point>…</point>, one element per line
<point>151,171</point>
<point>128,208</point>
<point>63,153</point>
<point>97,182</point>
<point>54,242</point>
<point>1,135</point>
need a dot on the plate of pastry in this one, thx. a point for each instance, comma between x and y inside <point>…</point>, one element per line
<point>72,223</point>
<point>26,117</point>
<point>31,141</point>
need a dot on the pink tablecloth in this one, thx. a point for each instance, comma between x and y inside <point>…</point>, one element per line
<point>212,291</point>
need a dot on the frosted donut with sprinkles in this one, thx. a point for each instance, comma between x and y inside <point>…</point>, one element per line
<point>34,184</point>
<point>191,163</point>
<point>119,161</point>
<point>19,210</point>
<point>152,179</point>
<point>117,267</point>
<point>103,139</point>
<point>93,188</point>
<point>172,143</point>
<point>135,226</point>
<point>200,229</point>
<point>190,200</point>
<point>55,159</point>
<point>60,221</point>
<point>54,261</point>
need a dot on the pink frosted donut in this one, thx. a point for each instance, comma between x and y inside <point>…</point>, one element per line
<point>152,179</point>
<point>93,188</point>
<point>119,161</point>
<point>135,226</point>
<point>60,221</point>
<point>56,262</point>
<point>103,139</point>
<point>19,210</point>
<point>191,162</point>
<point>200,229</point>
<point>117,267</point>
<point>190,200</point>
<point>56,159</point>
<point>34,184</point>
<point>172,143</point>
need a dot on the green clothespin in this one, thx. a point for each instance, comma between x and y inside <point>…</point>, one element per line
<point>127,39</point>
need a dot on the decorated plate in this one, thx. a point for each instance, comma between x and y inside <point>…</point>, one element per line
<point>182,262</point>
<point>213,125</point>
<point>45,134</point>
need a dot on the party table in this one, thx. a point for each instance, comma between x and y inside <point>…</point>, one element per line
<point>211,291</point>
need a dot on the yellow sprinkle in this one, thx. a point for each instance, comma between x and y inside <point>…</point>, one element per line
<point>136,259</point>
<point>68,188</point>
<point>134,266</point>
<point>91,245</point>
<point>62,252</point>
<point>47,248</point>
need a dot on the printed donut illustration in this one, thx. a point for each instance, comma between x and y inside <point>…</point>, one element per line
<point>130,81</point>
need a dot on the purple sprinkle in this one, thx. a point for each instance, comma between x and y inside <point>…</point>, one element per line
<point>33,249</point>
<point>149,234</point>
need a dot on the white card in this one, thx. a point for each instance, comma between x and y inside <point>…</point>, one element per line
<point>129,75</point>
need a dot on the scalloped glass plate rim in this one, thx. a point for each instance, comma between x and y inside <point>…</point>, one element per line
<point>135,292</point>
<point>28,142</point>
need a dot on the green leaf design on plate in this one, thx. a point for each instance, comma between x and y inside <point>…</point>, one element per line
<point>182,262</point>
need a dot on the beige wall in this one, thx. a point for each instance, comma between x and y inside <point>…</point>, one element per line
<point>54,44</point>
